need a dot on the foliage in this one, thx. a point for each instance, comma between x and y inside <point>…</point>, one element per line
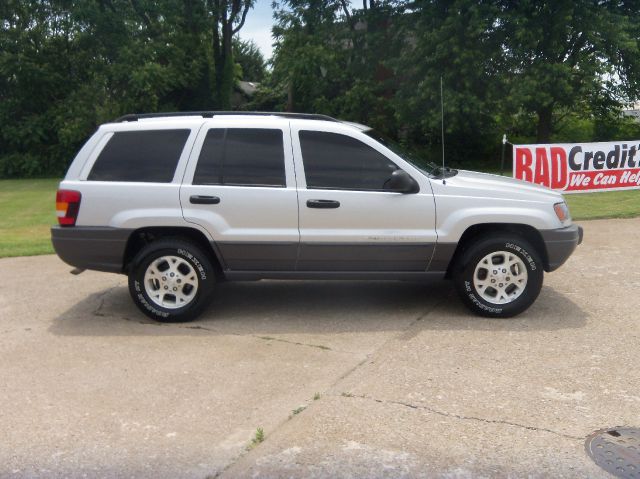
<point>576,55</point>
<point>250,58</point>
<point>453,44</point>
<point>258,437</point>
<point>67,66</point>
<point>536,70</point>
<point>297,411</point>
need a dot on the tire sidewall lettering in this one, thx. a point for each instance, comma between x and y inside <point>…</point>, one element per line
<point>194,261</point>
<point>477,302</point>
<point>143,300</point>
<point>523,253</point>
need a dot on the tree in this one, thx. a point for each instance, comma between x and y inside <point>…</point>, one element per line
<point>307,60</point>
<point>563,53</point>
<point>248,56</point>
<point>227,18</point>
<point>330,58</point>
<point>69,65</point>
<point>66,66</point>
<point>39,67</point>
<point>521,67</point>
<point>553,70</point>
<point>455,41</point>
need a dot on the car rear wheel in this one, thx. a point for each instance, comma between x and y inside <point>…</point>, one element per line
<point>499,276</point>
<point>171,280</point>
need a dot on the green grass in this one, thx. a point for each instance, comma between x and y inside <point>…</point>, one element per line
<point>27,211</point>
<point>258,437</point>
<point>612,204</point>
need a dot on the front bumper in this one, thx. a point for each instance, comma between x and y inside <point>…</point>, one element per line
<point>560,244</point>
<point>91,247</point>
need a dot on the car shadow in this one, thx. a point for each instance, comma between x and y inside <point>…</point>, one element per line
<point>266,308</point>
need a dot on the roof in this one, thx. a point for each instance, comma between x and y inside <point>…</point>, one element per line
<point>248,87</point>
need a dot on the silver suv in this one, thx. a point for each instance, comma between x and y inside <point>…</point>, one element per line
<point>181,201</point>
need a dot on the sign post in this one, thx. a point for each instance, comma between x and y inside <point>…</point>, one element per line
<point>504,144</point>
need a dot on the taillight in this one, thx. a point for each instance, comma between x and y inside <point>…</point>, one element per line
<point>67,206</point>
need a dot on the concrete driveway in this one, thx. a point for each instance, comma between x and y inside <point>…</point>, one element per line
<point>347,379</point>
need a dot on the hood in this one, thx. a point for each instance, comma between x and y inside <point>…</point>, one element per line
<point>501,187</point>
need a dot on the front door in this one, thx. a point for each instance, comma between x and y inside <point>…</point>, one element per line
<point>348,222</point>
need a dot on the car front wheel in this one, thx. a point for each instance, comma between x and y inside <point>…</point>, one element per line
<point>499,276</point>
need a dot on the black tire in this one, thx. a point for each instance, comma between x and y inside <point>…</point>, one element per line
<point>466,268</point>
<point>202,271</point>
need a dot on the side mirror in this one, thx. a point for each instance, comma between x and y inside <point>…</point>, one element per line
<point>401,182</point>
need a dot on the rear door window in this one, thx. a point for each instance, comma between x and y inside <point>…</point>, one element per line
<point>145,156</point>
<point>241,157</point>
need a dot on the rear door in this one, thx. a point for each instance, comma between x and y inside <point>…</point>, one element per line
<point>240,186</point>
<point>348,222</point>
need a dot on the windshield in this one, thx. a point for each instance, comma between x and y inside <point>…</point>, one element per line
<point>428,168</point>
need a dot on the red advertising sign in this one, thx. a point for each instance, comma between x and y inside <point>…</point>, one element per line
<point>579,167</point>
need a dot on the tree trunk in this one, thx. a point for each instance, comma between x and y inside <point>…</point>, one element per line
<point>225,87</point>
<point>545,124</point>
<point>223,62</point>
<point>217,59</point>
<point>290,96</point>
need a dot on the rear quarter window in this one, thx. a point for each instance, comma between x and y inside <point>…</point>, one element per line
<point>145,156</point>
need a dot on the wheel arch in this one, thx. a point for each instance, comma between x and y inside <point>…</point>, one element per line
<point>141,237</point>
<point>473,232</point>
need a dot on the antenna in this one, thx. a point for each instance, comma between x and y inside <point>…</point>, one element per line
<point>444,182</point>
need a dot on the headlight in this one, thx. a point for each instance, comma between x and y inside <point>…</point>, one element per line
<point>562,212</point>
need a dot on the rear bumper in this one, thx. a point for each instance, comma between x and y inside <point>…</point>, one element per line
<point>560,244</point>
<point>91,247</point>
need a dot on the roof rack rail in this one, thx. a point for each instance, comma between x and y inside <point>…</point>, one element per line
<point>211,114</point>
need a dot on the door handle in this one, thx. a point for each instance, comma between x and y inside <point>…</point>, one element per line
<point>324,204</point>
<point>204,200</point>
